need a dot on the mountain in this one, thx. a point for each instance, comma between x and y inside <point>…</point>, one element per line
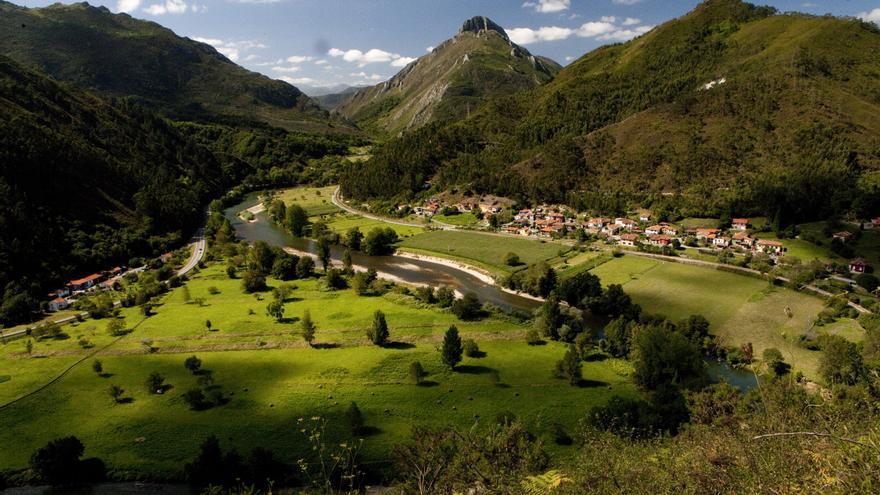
<point>730,108</point>
<point>332,101</point>
<point>120,56</point>
<point>451,81</point>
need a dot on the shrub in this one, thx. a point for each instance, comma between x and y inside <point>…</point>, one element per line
<point>378,333</point>
<point>471,349</point>
<point>452,349</point>
<point>155,382</point>
<point>511,259</point>
<point>193,364</point>
<point>253,281</point>
<point>468,307</point>
<point>416,372</point>
<point>58,463</point>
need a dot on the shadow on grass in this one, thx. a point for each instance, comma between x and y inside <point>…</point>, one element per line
<point>594,358</point>
<point>326,345</point>
<point>368,431</point>
<point>590,383</point>
<point>399,345</point>
<point>538,342</point>
<point>502,385</point>
<point>292,319</point>
<point>477,355</point>
<point>125,400</point>
<point>428,383</point>
<point>105,375</point>
<point>473,370</point>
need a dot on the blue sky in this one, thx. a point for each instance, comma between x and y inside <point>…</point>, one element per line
<point>356,42</point>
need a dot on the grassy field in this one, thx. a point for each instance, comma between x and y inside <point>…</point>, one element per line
<point>316,200</point>
<point>740,308</point>
<point>487,251</point>
<point>801,249</point>
<point>461,220</point>
<point>272,378</point>
<point>342,222</point>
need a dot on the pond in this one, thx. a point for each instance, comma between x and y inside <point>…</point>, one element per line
<point>742,379</point>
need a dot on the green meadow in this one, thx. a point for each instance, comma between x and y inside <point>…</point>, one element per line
<point>316,200</point>
<point>486,251</point>
<point>271,377</point>
<point>740,308</point>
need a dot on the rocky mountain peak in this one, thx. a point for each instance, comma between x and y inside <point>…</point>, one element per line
<point>482,23</point>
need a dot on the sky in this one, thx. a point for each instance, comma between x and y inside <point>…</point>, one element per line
<point>325,43</point>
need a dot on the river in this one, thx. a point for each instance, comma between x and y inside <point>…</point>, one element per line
<point>407,270</point>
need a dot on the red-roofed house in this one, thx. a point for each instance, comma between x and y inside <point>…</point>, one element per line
<point>660,240</point>
<point>706,233</point>
<point>721,241</point>
<point>843,235</point>
<point>743,238</point>
<point>58,304</point>
<point>740,224</point>
<point>84,283</point>
<point>858,265</point>
<point>629,239</point>
<point>654,230</point>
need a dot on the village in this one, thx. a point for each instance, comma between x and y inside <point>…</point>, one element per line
<point>640,232</point>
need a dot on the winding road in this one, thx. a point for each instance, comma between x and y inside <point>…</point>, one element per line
<point>341,204</point>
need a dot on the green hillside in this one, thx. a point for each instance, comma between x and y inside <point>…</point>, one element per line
<point>121,56</point>
<point>792,116</point>
<point>451,81</point>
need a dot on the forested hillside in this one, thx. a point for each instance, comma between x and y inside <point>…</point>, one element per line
<point>87,182</point>
<point>731,108</point>
<point>118,55</point>
<point>452,80</point>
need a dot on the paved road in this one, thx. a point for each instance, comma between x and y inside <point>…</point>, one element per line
<point>199,246</point>
<point>341,204</point>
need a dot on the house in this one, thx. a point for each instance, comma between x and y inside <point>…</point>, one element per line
<point>84,283</point>
<point>629,239</point>
<point>743,239</point>
<point>858,265</point>
<point>660,240</point>
<point>721,241</point>
<point>707,233</point>
<point>58,304</point>
<point>63,292</point>
<point>598,223</point>
<point>670,229</point>
<point>843,235</point>
<point>654,230</point>
<point>612,229</point>
<point>644,217</point>
<point>740,224</point>
<point>625,223</point>
<point>770,247</point>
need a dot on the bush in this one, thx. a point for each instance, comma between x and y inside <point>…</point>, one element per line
<point>193,364</point>
<point>378,333</point>
<point>195,399</point>
<point>468,307</point>
<point>452,349</point>
<point>416,372</point>
<point>471,349</point>
<point>58,463</point>
<point>155,383</point>
<point>253,281</point>
<point>533,337</point>
<point>511,259</point>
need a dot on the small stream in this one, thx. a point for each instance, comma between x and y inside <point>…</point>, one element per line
<point>417,272</point>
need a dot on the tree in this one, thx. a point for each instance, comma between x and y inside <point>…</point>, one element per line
<point>549,317</point>
<point>97,366</point>
<point>155,382</point>
<point>231,272</point>
<point>116,327</point>
<point>618,337</point>
<point>324,252</point>
<point>378,333</point>
<point>452,350</point>
<point>116,393</point>
<point>569,367</point>
<point>253,281</point>
<point>29,347</point>
<point>334,279</point>
<point>355,419</point>
<point>261,258</point>
<point>58,463</point>
<point>445,296</point>
<point>208,325</point>
<point>380,241</point>
<point>296,219</point>
<point>347,266</point>
<point>775,362</point>
<point>511,259</point>
<point>308,327</point>
<point>208,467</point>
<point>195,399</point>
<point>275,309</point>
<point>868,281</point>
<point>416,372</point>
<point>468,307</point>
<point>284,267</point>
<point>353,238</point>
<point>575,290</point>
<point>305,267</point>
<point>840,361</point>
<point>665,357</point>
<point>193,364</point>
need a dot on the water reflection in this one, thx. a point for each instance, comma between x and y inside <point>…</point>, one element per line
<point>405,269</point>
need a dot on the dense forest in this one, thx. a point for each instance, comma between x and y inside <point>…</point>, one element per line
<point>787,121</point>
<point>89,182</point>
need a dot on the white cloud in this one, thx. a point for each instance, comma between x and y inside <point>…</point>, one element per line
<point>171,7</point>
<point>127,5</point>
<point>525,36</point>
<point>872,16</point>
<point>372,56</point>
<point>308,81</point>
<point>429,49</point>
<point>548,6</point>
<point>626,2</point>
<point>233,49</point>
<point>292,68</point>
<point>298,59</point>
<point>321,62</point>
<point>403,61</point>
<point>255,1</point>
<point>607,28</point>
